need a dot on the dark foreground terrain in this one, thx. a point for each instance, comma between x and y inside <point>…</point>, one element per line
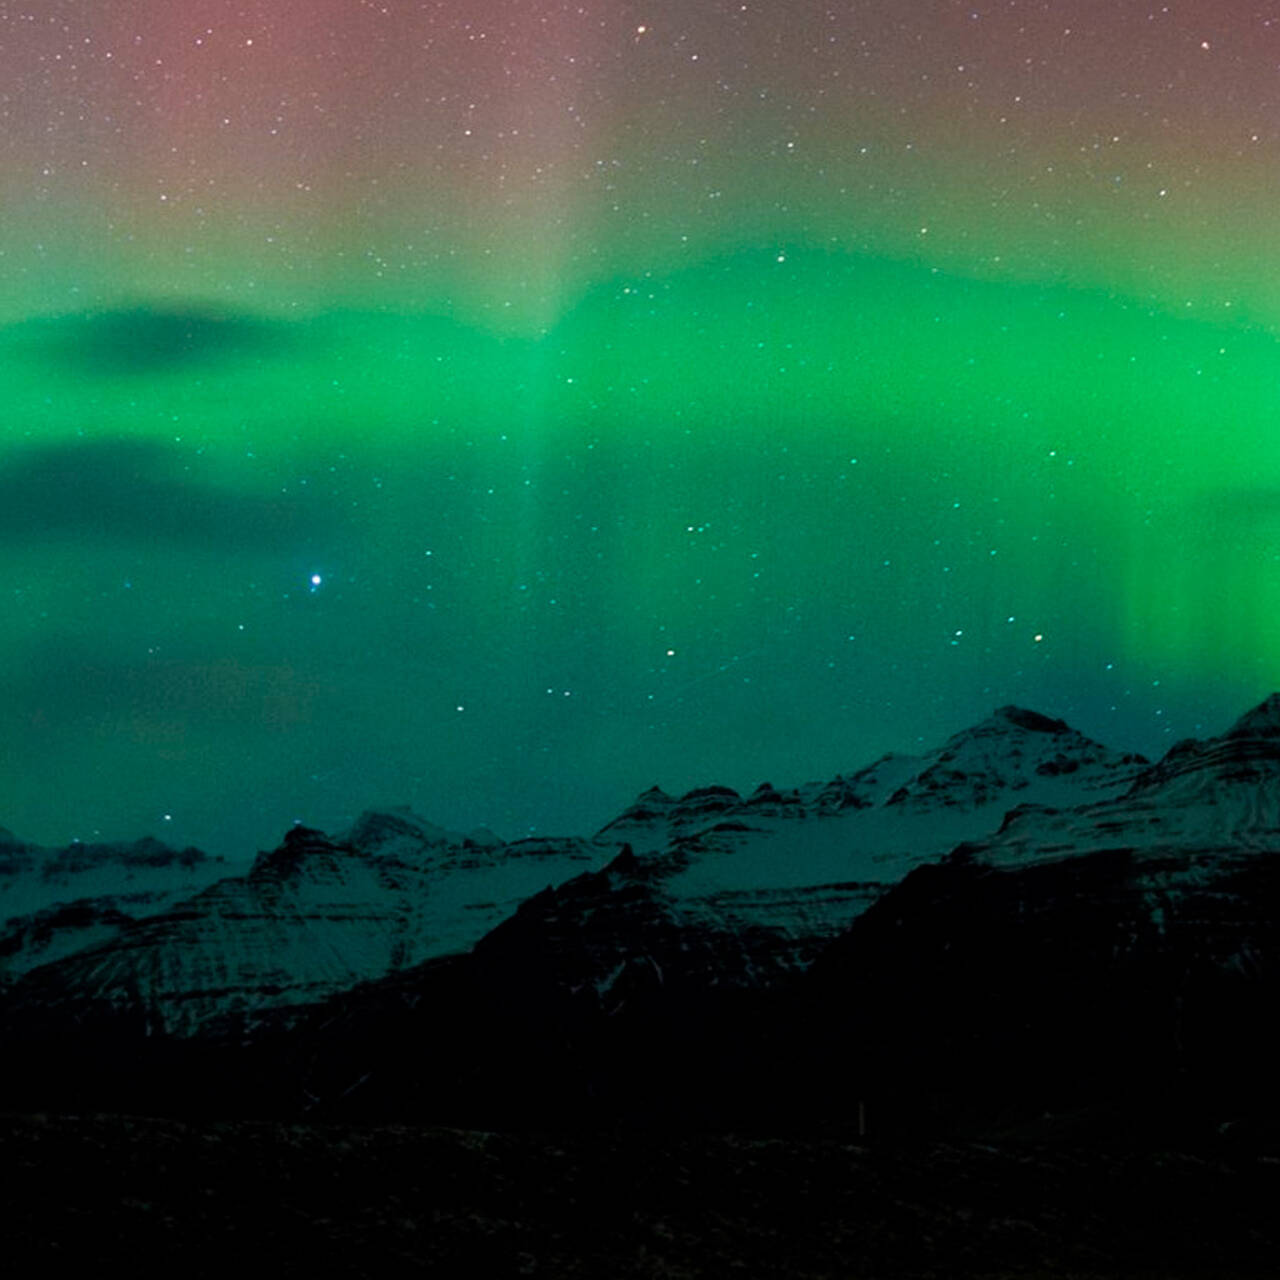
<point>211,1198</point>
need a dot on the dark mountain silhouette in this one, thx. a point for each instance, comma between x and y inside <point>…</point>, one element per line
<point>1100,968</point>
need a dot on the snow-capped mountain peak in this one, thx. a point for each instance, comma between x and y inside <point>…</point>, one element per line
<point>1032,721</point>
<point>33,878</point>
<point>1211,772</point>
<point>1013,756</point>
<point>313,916</point>
<point>54,902</point>
<point>1012,751</point>
<point>790,867</point>
<point>1210,797</point>
<point>375,829</point>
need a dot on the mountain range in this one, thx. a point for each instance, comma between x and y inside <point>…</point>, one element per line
<point>1019,931</point>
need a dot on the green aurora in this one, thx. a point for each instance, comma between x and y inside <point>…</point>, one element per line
<point>501,408</point>
<point>891,475</point>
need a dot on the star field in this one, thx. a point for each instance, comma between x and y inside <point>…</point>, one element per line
<point>501,407</point>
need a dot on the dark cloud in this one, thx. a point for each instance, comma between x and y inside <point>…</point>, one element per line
<point>125,490</point>
<point>151,339</point>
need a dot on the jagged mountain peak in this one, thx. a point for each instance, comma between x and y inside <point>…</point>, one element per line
<point>649,806</point>
<point>1013,749</point>
<point>1013,756</point>
<point>56,901</point>
<point>1238,768</point>
<point>1263,721</point>
<point>377,836</point>
<point>785,868</point>
<point>299,843</point>
<point>1020,738</point>
<point>1210,796</point>
<point>108,860</point>
<point>1014,722</point>
<point>376,828</point>
<point>315,915</point>
<point>1023,718</point>
<point>300,837</point>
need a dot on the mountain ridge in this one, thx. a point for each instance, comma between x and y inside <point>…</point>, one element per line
<point>715,928</point>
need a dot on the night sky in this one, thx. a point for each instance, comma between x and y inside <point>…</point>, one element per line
<point>499,406</point>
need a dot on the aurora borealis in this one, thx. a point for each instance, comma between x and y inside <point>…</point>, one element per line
<point>501,407</point>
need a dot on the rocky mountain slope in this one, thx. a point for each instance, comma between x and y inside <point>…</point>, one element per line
<point>54,902</point>
<point>1019,927</point>
<point>740,889</point>
<point>1126,952</point>
<point>748,889</point>
<point>315,916</point>
<point>1107,968</point>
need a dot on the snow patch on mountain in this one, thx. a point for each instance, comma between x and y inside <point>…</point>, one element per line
<point>1203,801</point>
<point>312,917</point>
<point>717,888</point>
<point>33,878</point>
<point>41,937</point>
<point>874,825</point>
<point>710,886</point>
<point>54,902</point>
